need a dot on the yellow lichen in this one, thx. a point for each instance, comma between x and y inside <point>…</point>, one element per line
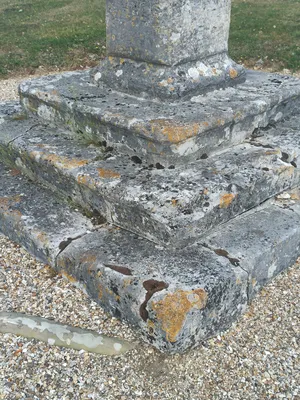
<point>226,200</point>
<point>108,174</point>
<point>59,161</point>
<point>171,311</point>
<point>233,73</point>
<point>175,132</point>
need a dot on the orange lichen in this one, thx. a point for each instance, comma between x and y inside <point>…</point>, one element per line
<point>69,277</point>
<point>175,132</point>
<point>295,196</point>
<point>108,174</point>
<point>60,161</point>
<point>86,180</point>
<point>172,310</point>
<point>226,200</point>
<point>233,73</point>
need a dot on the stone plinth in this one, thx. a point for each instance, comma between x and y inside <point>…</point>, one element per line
<point>168,49</point>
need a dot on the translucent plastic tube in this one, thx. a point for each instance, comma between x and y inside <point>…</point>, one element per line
<point>57,334</point>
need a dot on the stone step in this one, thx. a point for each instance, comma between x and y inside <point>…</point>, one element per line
<point>176,298</point>
<point>175,205</point>
<point>162,132</point>
<point>31,216</point>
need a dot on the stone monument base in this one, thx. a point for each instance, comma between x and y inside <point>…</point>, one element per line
<point>162,132</point>
<point>171,216</point>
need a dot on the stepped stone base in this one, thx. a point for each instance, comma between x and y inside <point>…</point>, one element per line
<point>168,206</point>
<point>176,248</point>
<point>157,132</point>
<point>176,298</point>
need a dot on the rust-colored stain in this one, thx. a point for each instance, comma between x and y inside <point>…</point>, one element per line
<point>233,73</point>
<point>108,174</point>
<point>171,311</point>
<point>60,161</point>
<point>226,200</point>
<point>174,132</point>
<point>14,172</point>
<point>174,202</point>
<point>119,268</point>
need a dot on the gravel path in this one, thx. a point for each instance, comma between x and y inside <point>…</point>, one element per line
<point>257,359</point>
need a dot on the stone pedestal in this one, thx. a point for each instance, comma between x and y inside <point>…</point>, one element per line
<point>168,49</point>
<point>154,186</point>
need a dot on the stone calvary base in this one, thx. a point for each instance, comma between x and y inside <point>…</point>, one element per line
<point>165,181</point>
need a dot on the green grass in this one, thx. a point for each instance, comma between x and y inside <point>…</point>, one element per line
<point>69,34</point>
<point>268,30</point>
<point>53,34</point>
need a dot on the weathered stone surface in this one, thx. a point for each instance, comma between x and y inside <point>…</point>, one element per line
<point>156,81</point>
<point>157,132</point>
<point>171,206</point>
<point>168,49</point>
<point>176,298</point>
<point>32,217</point>
<point>179,298</point>
<point>262,242</point>
<point>167,32</point>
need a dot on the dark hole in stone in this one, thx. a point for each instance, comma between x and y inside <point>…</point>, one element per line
<point>265,169</point>
<point>64,244</point>
<point>159,166</point>
<point>117,313</point>
<point>276,81</point>
<point>118,268</point>
<point>285,156</point>
<point>171,167</point>
<point>152,286</point>
<point>97,218</point>
<point>204,156</point>
<point>136,160</point>
<point>224,253</point>
<point>206,204</point>
<point>221,252</point>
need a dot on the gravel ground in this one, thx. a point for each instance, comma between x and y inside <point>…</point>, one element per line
<point>257,359</point>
